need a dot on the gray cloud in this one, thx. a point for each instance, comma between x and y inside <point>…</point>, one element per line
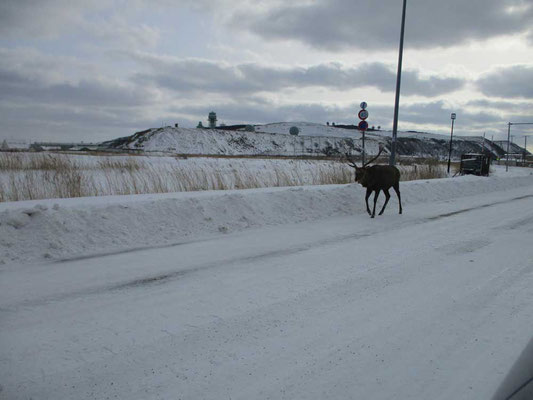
<point>104,22</point>
<point>432,116</point>
<point>43,18</point>
<point>260,111</point>
<point>515,81</point>
<point>41,98</point>
<point>37,101</point>
<point>438,113</point>
<point>340,24</point>
<point>501,105</point>
<point>15,87</point>
<point>40,122</point>
<point>34,78</point>
<point>202,75</point>
<point>328,24</point>
<point>65,122</point>
<point>97,93</point>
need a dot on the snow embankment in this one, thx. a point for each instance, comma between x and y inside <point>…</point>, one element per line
<point>54,229</point>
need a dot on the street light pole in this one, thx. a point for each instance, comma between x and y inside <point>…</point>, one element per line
<point>392,160</point>
<point>451,138</point>
<point>508,144</point>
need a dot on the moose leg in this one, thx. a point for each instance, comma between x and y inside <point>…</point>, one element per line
<point>397,190</point>
<point>376,194</point>
<point>387,197</point>
<point>368,192</point>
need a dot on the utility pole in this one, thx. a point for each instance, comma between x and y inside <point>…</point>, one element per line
<point>508,144</point>
<point>451,139</point>
<point>392,160</point>
<point>509,138</point>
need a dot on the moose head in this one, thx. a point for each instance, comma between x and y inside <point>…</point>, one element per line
<point>361,175</point>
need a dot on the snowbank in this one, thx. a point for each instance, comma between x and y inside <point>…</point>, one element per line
<point>63,228</point>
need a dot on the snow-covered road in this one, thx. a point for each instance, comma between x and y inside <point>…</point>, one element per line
<point>432,304</point>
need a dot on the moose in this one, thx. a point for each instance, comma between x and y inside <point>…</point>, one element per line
<point>375,179</point>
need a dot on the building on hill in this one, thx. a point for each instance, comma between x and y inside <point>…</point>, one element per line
<point>212,118</point>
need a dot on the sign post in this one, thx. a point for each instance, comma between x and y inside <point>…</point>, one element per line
<point>363,125</point>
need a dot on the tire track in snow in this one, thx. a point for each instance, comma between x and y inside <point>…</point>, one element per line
<point>174,275</point>
<point>450,214</point>
<point>162,278</point>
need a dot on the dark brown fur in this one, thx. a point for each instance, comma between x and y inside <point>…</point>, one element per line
<point>375,179</point>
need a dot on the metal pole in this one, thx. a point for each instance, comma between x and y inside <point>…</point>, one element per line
<point>508,143</point>
<point>450,153</point>
<point>363,148</point>
<point>392,160</point>
<point>509,137</point>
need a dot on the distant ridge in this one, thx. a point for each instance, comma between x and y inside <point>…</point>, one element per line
<point>313,139</point>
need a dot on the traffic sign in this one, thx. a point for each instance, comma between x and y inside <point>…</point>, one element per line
<point>453,115</point>
<point>363,125</point>
<point>363,105</point>
<point>363,114</point>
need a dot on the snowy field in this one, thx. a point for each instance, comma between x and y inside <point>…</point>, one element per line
<point>29,176</point>
<point>277,293</point>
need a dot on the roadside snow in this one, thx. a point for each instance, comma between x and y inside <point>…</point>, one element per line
<point>433,304</point>
<point>40,230</point>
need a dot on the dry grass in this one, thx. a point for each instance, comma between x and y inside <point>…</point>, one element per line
<point>127,164</point>
<point>28,176</point>
<point>427,171</point>
<point>42,162</point>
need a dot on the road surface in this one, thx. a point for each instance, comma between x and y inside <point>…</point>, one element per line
<point>432,304</point>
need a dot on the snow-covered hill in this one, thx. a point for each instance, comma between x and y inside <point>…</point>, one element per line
<point>274,139</point>
<point>513,147</point>
<point>227,142</point>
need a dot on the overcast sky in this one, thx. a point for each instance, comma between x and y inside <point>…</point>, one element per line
<point>93,70</point>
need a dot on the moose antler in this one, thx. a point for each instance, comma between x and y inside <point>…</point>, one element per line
<point>350,161</point>
<point>376,157</point>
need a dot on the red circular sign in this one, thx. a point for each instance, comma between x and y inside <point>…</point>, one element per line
<point>363,114</point>
<point>363,125</point>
